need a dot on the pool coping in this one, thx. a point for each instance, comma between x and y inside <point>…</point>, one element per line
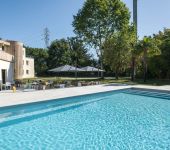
<point>36,96</point>
<point>151,90</point>
<point>63,98</point>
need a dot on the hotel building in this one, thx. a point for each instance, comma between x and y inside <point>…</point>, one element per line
<point>13,62</point>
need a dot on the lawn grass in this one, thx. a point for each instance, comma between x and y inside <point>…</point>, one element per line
<point>61,78</point>
<point>106,80</point>
<point>156,82</point>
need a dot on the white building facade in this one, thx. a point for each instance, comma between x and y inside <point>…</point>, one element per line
<point>14,64</point>
<point>28,65</point>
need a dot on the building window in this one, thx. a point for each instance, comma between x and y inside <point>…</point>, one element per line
<point>27,62</point>
<point>27,71</point>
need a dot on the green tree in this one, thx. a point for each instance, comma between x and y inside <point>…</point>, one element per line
<point>156,67</point>
<point>98,20</point>
<point>164,46</point>
<point>148,47</point>
<point>70,51</point>
<point>117,51</point>
<point>78,53</point>
<point>58,53</point>
<point>40,57</point>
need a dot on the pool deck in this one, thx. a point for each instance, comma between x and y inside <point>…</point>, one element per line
<point>7,98</point>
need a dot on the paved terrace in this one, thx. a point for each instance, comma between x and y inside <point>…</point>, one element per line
<point>7,98</point>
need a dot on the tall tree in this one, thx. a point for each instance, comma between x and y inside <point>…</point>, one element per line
<point>117,51</point>
<point>164,46</point>
<point>58,53</point>
<point>148,48</point>
<point>68,51</point>
<point>78,52</point>
<point>98,20</point>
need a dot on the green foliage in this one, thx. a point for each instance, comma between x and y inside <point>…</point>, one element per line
<point>40,57</point>
<point>118,50</point>
<point>155,65</point>
<point>70,51</point>
<point>58,53</point>
<point>154,55</point>
<point>159,66</point>
<point>147,48</point>
<point>78,53</point>
<point>98,20</point>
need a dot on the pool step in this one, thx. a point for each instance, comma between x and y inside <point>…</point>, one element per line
<point>148,93</point>
<point>5,120</point>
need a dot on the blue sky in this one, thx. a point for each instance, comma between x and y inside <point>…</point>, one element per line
<point>24,20</point>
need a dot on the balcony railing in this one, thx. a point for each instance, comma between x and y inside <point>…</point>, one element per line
<point>5,56</point>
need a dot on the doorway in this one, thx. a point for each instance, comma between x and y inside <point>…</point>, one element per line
<point>4,73</point>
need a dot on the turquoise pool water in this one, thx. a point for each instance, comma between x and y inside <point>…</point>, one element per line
<point>121,120</point>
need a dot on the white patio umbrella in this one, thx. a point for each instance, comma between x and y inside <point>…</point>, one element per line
<point>67,68</point>
<point>91,69</point>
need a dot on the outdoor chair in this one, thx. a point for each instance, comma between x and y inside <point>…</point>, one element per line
<point>8,85</point>
<point>79,84</point>
<point>50,84</point>
<point>62,85</point>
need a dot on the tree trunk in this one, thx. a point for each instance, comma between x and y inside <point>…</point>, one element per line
<point>133,69</point>
<point>145,72</point>
<point>116,74</point>
<point>145,66</point>
<point>76,69</point>
<point>101,65</point>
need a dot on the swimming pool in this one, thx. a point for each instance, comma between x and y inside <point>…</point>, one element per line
<point>117,120</point>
